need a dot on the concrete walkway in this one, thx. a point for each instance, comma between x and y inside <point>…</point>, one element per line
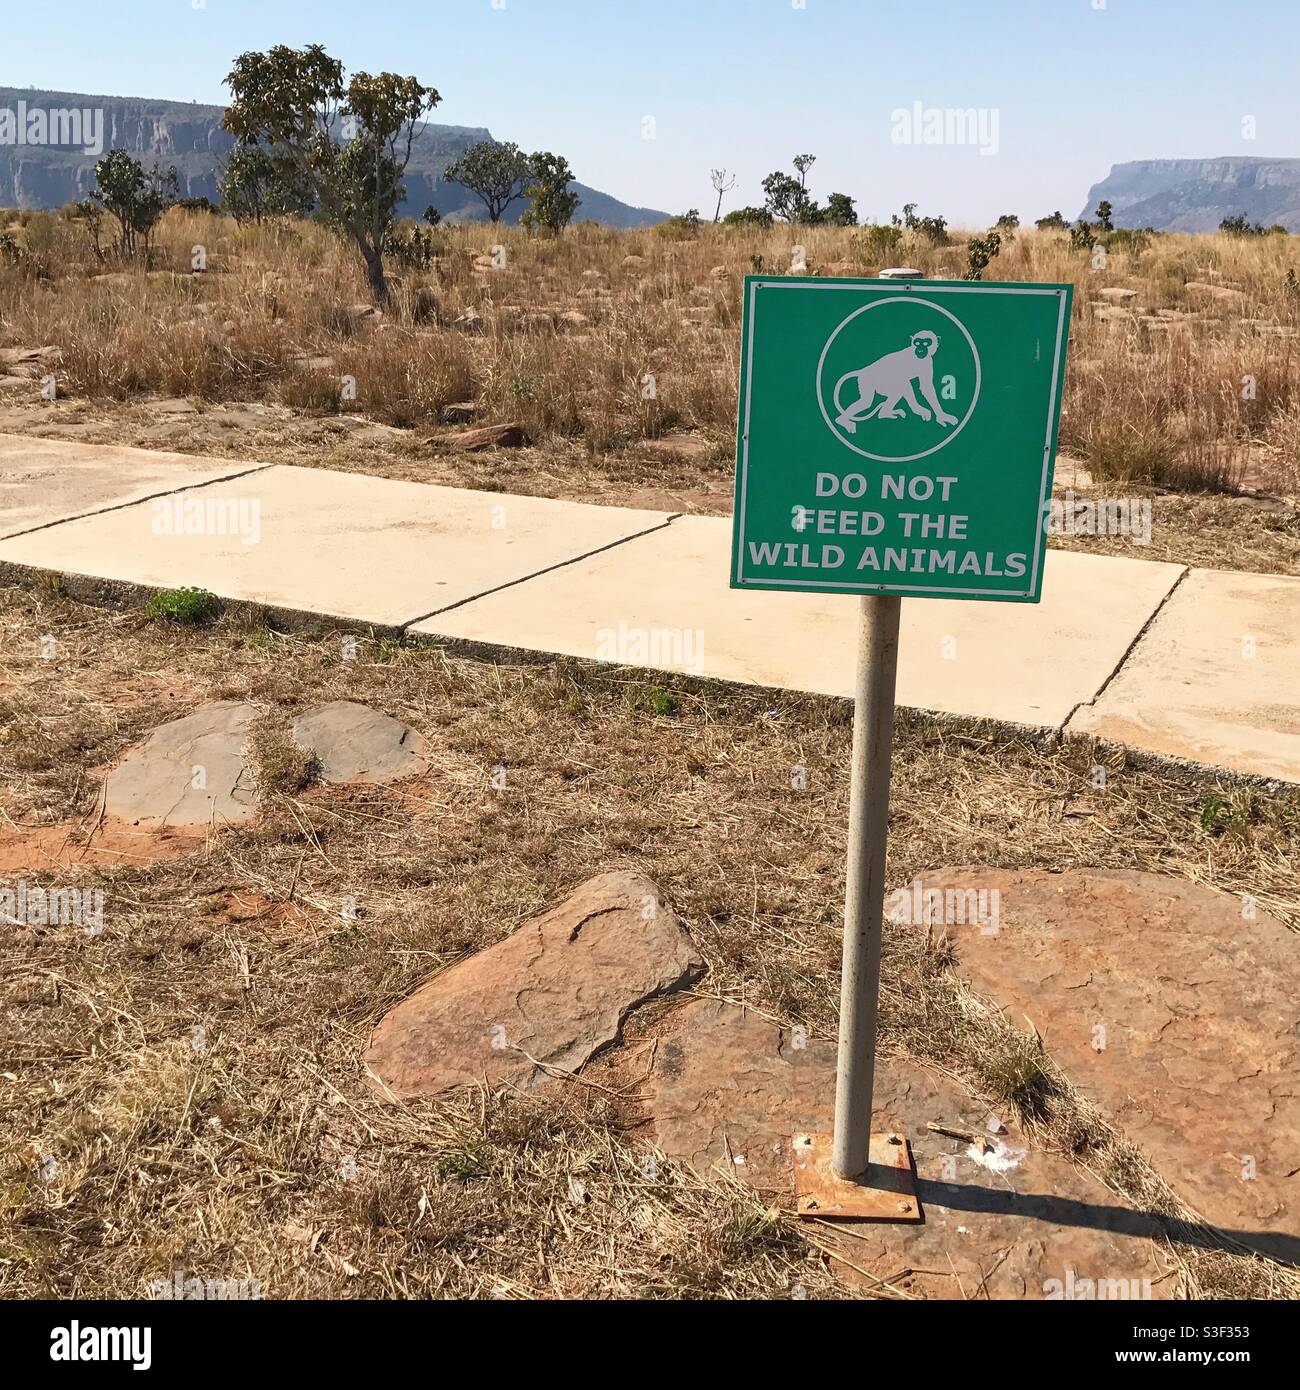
<point>1195,664</point>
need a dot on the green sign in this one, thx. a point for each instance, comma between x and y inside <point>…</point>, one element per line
<point>897,437</point>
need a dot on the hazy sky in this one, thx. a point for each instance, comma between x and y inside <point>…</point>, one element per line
<point>1073,85</point>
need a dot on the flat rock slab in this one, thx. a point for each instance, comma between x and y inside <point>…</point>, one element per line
<point>354,743</point>
<point>662,602</point>
<point>728,1089</point>
<point>1215,680</point>
<point>48,480</point>
<point>342,545</point>
<point>551,995</point>
<point>1199,1056</point>
<point>192,771</point>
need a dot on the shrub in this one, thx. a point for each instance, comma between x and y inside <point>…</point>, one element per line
<point>1237,225</point>
<point>748,217</point>
<point>979,252</point>
<point>875,242</point>
<point>190,606</point>
<point>683,228</point>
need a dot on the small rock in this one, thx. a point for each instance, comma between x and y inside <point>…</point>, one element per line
<point>1116,294</point>
<point>154,784</point>
<point>462,413</point>
<point>1220,292</point>
<point>571,318</point>
<point>354,743</point>
<point>468,322</point>
<point>508,436</point>
<point>356,314</point>
<point>556,990</point>
<point>633,262</point>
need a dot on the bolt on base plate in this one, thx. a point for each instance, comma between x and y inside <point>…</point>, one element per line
<point>885,1192</point>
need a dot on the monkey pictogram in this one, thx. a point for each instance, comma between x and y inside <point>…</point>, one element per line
<point>891,378</point>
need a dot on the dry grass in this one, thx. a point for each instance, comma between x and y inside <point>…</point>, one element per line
<point>567,332</point>
<point>260,1154</point>
<point>1185,391</point>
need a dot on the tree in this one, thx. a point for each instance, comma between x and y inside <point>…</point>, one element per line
<point>840,211</point>
<point>135,198</point>
<point>252,188</point>
<point>497,172</point>
<point>553,201</point>
<point>721,184</point>
<point>785,196</point>
<point>1054,223</point>
<point>1008,222</point>
<point>291,100</point>
<point>1102,215</point>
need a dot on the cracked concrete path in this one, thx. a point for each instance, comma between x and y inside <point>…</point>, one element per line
<point>1198,665</point>
<point>663,601</point>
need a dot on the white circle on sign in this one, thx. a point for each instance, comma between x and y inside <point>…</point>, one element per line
<point>832,423</point>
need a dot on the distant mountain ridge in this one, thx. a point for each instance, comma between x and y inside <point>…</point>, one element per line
<point>190,136</point>
<point>1195,195</point>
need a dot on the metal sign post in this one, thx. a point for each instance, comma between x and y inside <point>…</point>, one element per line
<point>864,894</point>
<point>896,439</point>
<point>863,1174</point>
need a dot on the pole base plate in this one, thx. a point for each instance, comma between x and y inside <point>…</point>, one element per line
<point>885,1192</point>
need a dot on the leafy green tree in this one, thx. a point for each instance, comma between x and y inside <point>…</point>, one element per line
<point>135,198</point>
<point>350,142</point>
<point>839,211</point>
<point>788,198</point>
<point>252,187</point>
<point>553,201</point>
<point>1103,216</point>
<point>1008,222</point>
<point>498,173</point>
<point>1052,223</point>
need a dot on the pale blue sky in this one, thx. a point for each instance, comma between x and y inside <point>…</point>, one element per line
<point>1076,85</point>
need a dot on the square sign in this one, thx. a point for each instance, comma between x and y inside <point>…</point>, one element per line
<point>897,437</point>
